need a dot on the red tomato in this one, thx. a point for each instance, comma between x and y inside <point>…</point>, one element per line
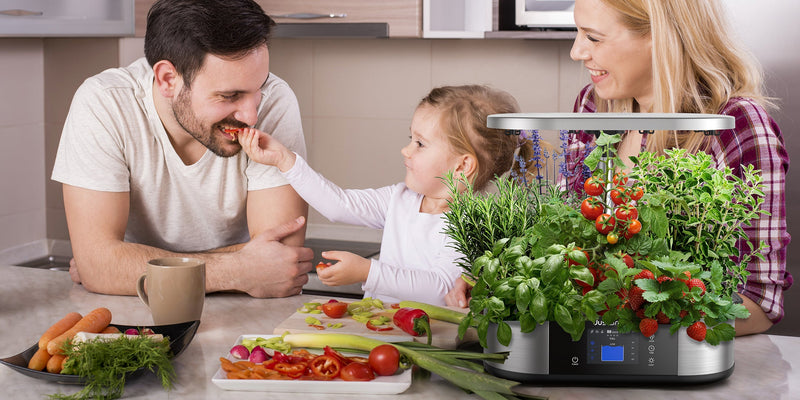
<point>591,208</point>
<point>620,179</point>
<point>634,226</point>
<point>626,212</point>
<point>604,223</point>
<point>384,359</point>
<point>335,309</point>
<point>618,196</point>
<point>357,372</point>
<point>636,193</point>
<point>593,186</point>
<point>325,367</point>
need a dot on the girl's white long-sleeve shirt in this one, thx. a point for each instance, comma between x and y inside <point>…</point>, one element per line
<point>417,261</point>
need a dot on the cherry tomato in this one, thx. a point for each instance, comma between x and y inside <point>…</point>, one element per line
<point>604,223</point>
<point>357,372</point>
<point>591,208</point>
<point>335,309</point>
<point>384,359</point>
<point>612,238</point>
<point>325,367</point>
<point>634,226</point>
<point>620,179</point>
<point>626,212</point>
<point>618,196</point>
<point>593,186</point>
<point>636,193</point>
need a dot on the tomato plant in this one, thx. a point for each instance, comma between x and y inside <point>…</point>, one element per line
<point>591,208</point>
<point>335,309</point>
<point>357,372</point>
<point>384,359</point>
<point>593,186</point>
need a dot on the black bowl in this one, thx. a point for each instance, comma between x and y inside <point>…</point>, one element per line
<point>180,335</point>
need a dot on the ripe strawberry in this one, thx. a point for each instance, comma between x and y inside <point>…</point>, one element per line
<point>628,260</point>
<point>649,326</point>
<point>683,314</point>
<point>697,331</point>
<point>696,283</point>
<point>635,298</point>
<point>662,318</point>
<point>664,278</point>
<point>645,274</point>
<point>640,313</point>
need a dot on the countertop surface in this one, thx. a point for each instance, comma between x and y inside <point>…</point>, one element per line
<point>33,299</point>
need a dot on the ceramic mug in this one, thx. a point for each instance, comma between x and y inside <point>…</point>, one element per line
<point>174,288</point>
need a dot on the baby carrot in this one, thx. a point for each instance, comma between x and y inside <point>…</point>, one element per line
<point>39,359</point>
<point>94,322</point>
<point>58,328</point>
<point>54,365</point>
<point>110,329</point>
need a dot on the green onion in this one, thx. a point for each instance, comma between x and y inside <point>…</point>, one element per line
<point>449,364</point>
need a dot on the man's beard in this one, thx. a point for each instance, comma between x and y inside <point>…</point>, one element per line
<point>210,137</point>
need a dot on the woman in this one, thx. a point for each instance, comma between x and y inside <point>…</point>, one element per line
<point>675,56</point>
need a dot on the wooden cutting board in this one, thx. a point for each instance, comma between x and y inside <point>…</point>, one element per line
<point>445,334</point>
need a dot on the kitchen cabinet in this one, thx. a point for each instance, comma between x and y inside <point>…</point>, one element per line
<point>404,17</point>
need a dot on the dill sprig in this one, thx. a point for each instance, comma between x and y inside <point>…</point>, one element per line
<point>104,364</point>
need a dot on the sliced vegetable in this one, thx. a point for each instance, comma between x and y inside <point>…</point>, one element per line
<point>326,367</point>
<point>357,372</point>
<point>258,355</point>
<point>334,309</point>
<point>413,321</point>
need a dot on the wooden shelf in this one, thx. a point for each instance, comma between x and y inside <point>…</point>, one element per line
<point>567,35</point>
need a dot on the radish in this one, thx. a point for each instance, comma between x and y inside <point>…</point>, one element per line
<point>258,355</point>
<point>240,352</point>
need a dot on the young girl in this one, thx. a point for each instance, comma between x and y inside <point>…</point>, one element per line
<point>448,134</point>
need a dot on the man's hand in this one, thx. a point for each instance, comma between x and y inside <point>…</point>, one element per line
<point>351,268</point>
<point>265,267</point>
<point>73,271</point>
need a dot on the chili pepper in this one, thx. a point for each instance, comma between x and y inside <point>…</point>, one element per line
<point>413,321</point>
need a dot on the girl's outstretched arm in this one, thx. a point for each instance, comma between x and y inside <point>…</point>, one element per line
<point>262,148</point>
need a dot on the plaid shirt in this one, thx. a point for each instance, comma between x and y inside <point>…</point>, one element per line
<point>755,140</point>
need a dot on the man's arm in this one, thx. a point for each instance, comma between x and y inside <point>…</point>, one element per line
<point>267,208</point>
<point>107,264</point>
<point>756,323</point>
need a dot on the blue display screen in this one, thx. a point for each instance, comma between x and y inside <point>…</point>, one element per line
<point>612,353</point>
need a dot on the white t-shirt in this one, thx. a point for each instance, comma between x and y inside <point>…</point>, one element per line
<point>417,260</point>
<point>114,141</point>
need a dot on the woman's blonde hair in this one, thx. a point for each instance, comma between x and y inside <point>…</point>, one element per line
<point>464,110</point>
<point>697,67</point>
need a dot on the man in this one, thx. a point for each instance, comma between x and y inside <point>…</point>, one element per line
<point>150,170</point>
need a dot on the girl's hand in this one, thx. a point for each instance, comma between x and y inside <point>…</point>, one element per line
<point>351,268</point>
<point>262,148</point>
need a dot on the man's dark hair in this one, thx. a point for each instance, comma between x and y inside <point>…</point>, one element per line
<point>184,31</point>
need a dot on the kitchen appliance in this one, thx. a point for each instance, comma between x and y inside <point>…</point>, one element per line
<point>603,354</point>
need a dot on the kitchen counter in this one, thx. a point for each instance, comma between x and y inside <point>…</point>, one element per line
<point>33,299</point>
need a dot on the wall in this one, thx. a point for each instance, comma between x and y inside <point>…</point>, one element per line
<point>22,162</point>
